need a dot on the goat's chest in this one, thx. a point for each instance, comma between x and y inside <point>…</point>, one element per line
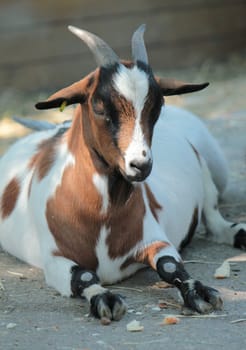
<point>98,241</point>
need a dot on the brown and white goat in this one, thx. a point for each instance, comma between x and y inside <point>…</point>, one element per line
<point>84,200</point>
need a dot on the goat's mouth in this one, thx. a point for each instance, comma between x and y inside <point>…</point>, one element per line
<point>136,174</point>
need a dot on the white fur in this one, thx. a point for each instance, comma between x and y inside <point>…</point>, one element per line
<point>53,266</point>
<point>101,184</point>
<point>18,232</point>
<point>133,84</point>
<point>109,269</point>
<point>93,290</point>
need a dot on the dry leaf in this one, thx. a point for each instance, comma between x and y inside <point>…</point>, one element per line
<point>134,326</point>
<point>162,304</point>
<point>170,320</point>
<point>223,271</point>
<point>161,285</point>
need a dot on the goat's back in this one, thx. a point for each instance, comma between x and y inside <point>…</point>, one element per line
<point>187,125</point>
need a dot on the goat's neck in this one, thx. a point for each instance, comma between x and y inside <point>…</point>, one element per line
<point>88,163</point>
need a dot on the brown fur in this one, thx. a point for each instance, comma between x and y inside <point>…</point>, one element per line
<point>153,204</point>
<point>44,158</point>
<point>126,225</point>
<point>10,197</point>
<point>127,117</point>
<point>76,224</point>
<point>147,255</point>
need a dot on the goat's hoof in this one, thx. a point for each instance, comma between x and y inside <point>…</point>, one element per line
<point>109,305</point>
<point>201,298</point>
<point>240,239</point>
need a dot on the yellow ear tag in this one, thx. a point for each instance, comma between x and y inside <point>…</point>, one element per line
<point>63,106</point>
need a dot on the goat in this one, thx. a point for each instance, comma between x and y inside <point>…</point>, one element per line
<point>84,200</point>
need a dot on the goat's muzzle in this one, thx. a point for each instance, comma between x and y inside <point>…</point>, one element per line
<point>140,170</point>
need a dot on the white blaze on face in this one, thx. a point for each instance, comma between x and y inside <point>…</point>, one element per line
<point>133,84</point>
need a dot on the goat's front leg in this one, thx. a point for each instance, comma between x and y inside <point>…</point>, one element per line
<point>196,296</point>
<point>72,280</point>
<point>103,303</point>
<point>170,268</point>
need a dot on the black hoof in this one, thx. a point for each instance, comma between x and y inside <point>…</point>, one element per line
<point>200,298</point>
<point>240,239</point>
<point>108,305</point>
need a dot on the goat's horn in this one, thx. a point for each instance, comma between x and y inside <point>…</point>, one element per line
<point>103,54</point>
<point>139,52</point>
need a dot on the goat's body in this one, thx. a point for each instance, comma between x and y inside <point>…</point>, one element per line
<point>176,182</point>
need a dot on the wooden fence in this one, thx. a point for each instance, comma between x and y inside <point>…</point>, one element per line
<point>37,52</point>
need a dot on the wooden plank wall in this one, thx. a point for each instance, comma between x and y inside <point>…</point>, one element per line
<point>37,52</point>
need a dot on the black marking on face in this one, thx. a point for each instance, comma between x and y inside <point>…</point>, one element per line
<point>154,100</point>
<point>103,100</point>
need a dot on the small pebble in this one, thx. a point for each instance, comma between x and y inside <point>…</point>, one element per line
<point>223,271</point>
<point>156,308</point>
<point>130,311</point>
<point>11,325</point>
<point>134,326</point>
<point>105,321</point>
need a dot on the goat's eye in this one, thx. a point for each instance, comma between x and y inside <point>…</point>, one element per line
<point>98,108</point>
<point>99,111</point>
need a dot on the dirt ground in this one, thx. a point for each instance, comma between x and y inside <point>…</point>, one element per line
<point>34,316</point>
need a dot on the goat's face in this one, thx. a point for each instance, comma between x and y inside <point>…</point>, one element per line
<point>120,104</point>
<point>125,105</point>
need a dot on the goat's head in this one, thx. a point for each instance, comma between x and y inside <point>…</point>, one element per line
<point>121,102</point>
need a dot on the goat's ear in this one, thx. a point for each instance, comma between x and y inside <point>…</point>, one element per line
<point>75,93</point>
<point>176,87</point>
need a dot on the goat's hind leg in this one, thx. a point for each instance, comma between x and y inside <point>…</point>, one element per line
<point>220,230</point>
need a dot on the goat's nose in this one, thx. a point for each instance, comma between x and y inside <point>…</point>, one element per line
<point>141,168</point>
